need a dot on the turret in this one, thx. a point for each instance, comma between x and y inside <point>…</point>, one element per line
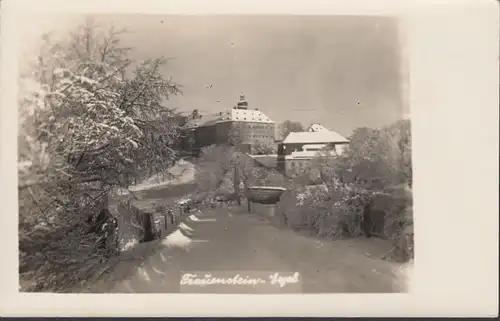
<point>242,104</point>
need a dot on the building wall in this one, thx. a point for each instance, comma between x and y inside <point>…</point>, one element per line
<point>205,136</point>
<point>254,132</point>
<point>290,166</point>
<point>222,133</point>
<point>249,133</point>
<point>294,167</point>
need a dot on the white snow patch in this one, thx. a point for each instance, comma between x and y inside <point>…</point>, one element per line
<point>157,271</point>
<point>404,276</point>
<point>183,172</point>
<point>24,165</point>
<point>129,245</point>
<point>177,239</point>
<point>144,274</point>
<point>183,201</point>
<point>185,227</point>
<point>163,257</point>
<point>193,218</point>
<point>122,191</point>
<point>127,286</point>
<point>196,219</point>
<point>314,137</point>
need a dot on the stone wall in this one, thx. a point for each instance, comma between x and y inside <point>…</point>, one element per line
<point>143,221</point>
<point>272,212</point>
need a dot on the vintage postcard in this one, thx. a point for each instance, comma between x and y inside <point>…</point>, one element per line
<point>227,152</point>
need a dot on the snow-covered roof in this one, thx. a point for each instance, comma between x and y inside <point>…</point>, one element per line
<point>204,120</point>
<point>233,114</point>
<point>316,128</point>
<point>249,115</point>
<point>314,137</point>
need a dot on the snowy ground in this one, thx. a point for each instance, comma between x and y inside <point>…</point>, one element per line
<point>181,173</point>
<point>232,240</point>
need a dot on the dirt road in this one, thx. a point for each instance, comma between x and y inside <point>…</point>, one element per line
<point>231,240</point>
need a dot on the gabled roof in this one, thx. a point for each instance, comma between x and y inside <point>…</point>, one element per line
<point>316,128</point>
<point>314,137</point>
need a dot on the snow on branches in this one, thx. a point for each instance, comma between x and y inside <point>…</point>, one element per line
<point>89,122</point>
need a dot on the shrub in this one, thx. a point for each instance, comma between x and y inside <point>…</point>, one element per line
<point>264,148</point>
<point>213,169</point>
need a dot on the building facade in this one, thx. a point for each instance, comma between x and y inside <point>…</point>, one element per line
<point>238,126</point>
<point>299,148</point>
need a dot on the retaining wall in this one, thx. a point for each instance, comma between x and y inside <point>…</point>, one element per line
<point>144,221</point>
<point>272,212</point>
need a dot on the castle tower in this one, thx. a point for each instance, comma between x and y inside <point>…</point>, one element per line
<point>242,104</point>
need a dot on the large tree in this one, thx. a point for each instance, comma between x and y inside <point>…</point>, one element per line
<point>288,127</point>
<point>91,119</point>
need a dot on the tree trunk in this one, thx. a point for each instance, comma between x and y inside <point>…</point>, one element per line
<point>236,184</point>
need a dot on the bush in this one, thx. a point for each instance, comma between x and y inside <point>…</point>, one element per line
<point>214,169</point>
<point>264,148</point>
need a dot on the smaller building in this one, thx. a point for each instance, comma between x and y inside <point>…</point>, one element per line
<point>299,148</point>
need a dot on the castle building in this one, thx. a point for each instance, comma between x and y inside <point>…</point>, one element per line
<point>238,126</point>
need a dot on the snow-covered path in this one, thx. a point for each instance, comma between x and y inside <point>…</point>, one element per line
<point>231,240</point>
<point>181,173</point>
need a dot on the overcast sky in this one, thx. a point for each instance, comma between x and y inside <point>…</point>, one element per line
<point>340,71</point>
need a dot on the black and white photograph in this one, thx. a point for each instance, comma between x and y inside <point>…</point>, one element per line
<point>244,149</point>
<point>245,153</point>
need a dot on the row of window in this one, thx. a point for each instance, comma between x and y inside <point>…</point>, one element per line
<point>259,136</point>
<point>298,164</point>
<point>254,126</point>
<point>244,118</point>
<point>259,126</point>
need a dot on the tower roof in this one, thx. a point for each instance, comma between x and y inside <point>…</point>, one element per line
<point>242,103</point>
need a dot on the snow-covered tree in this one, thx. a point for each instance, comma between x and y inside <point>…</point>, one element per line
<point>89,122</point>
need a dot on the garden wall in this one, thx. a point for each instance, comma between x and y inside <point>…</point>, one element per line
<point>143,221</point>
<point>272,212</point>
